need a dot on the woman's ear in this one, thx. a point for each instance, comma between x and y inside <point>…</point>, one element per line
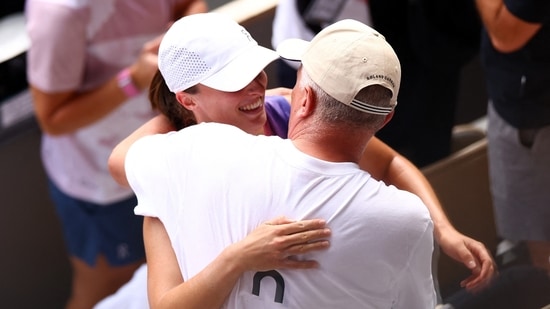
<point>186,100</point>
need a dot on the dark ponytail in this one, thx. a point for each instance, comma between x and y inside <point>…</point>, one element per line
<point>163,100</point>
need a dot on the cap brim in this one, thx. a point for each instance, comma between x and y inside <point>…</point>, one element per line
<point>292,49</point>
<point>242,70</point>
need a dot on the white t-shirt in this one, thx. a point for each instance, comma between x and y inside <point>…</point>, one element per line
<point>212,184</point>
<point>79,45</point>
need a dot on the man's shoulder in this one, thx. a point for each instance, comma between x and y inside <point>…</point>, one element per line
<point>401,205</point>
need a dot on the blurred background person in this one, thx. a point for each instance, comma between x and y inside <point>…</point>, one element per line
<point>88,66</point>
<point>515,53</point>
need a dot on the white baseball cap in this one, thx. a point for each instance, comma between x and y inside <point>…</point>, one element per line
<point>346,57</point>
<point>210,49</point>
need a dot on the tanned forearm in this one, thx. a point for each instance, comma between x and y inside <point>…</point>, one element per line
<point>385,164</point>
<point>207,290</point>
<point>508,33</point>
<point>405,176</point>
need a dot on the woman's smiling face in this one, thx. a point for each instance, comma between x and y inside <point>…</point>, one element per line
<point>243,108</point>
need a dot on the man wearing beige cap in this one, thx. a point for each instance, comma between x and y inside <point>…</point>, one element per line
<point>206,187</point>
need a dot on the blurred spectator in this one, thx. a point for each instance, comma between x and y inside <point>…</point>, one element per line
<point>515,54</point>
<point>88,65</point>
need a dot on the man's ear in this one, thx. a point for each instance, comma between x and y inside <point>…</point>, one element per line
<point>186,100</point>
<point>388,118</point>
<point>308,102</point>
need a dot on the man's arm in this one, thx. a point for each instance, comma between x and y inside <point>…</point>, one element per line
<point>385,164</point>
<point>508,33</point>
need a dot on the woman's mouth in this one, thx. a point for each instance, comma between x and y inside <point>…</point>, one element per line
<point>252,106</point>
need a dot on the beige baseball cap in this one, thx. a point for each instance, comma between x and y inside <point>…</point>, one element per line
<point>346,57</point>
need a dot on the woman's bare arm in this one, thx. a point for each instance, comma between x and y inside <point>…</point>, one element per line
<point>385,164</point>
<point>269,246</point>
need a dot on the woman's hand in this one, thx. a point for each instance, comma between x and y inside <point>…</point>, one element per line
<point>473,254</point>
<point>278,243</point>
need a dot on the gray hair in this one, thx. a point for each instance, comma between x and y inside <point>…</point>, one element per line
<point>334,112</point>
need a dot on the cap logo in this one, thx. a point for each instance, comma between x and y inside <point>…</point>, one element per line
<point>383,77</point>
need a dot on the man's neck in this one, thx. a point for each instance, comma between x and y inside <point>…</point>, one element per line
<point>333,146</point>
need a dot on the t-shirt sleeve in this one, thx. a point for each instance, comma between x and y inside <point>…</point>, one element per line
<point>56,57</point>
<point>416,285</point>
<point>161,168</point>
<point>143,165</point>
